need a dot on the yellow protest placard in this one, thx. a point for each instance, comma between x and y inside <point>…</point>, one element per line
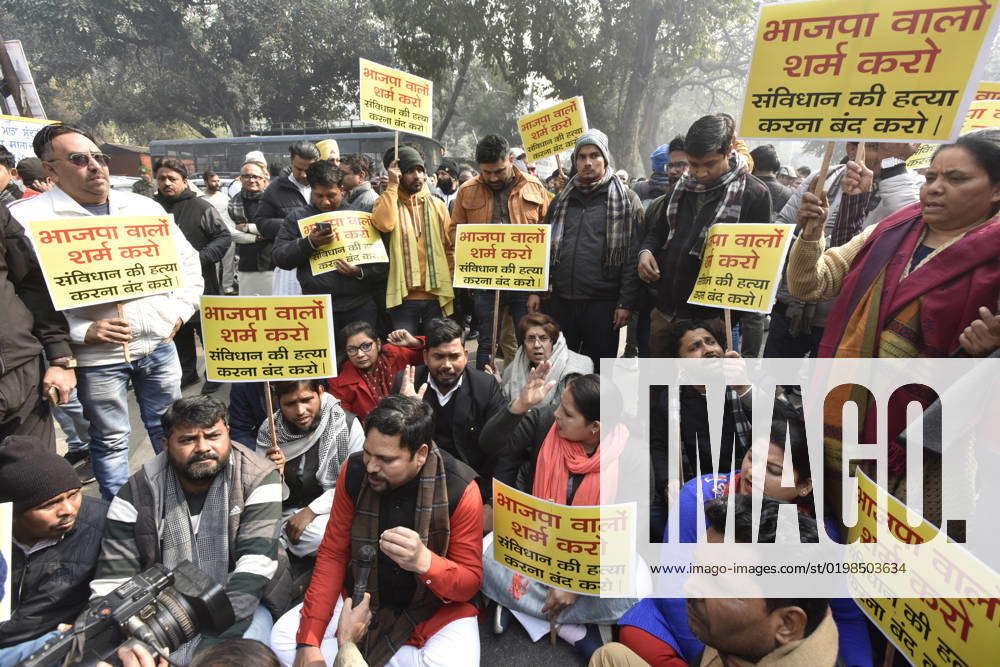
<point>355,240</point>
<point>741,266</point>
<point>395,99</point>
<point>922,158</point>
<point>256,338</point>
<point>981,115</point>
<point>508,257</point>
<point>586,550</point>
<point>893,70</point>
<point>104,258</point>
<point>927,630</point>
<point>987,90</point>
<point>17,132</point>
<point>552,130</point>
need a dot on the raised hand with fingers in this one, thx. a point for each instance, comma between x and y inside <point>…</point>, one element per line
<point>403,338</point>
<point>812,216</point>
<point>535,389</point>
<point>407,388</point>
<point>982,336</point>
<point>857,178</point>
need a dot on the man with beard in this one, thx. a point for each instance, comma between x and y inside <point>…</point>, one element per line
<point>56,529</point>
<point>717,188</point>
<point>501,194</point>
<point>420,509</point>
<point>255,266</point>
<point>447,182</point>
<point>463,400</point>
<point>315,437</point>
<point>205,230</point>
<point>208,501</point>
<point>421,244</point>
<point>669,164</point>
<point>595,222</point>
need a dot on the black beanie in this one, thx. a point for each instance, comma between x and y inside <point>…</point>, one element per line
<point>408,158</point>
<point>450,167</point>
<point>30,476</point>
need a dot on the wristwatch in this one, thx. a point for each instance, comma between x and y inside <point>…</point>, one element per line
<point>63,362</point>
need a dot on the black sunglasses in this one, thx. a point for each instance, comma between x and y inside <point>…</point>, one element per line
<point>83,159</point>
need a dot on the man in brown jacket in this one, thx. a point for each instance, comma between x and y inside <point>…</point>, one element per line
<point>500,194</point>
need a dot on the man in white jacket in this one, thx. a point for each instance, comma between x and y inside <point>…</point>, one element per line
<point>97,334</point>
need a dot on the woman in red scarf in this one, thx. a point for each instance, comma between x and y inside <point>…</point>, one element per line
<point>923,282</point>
<point>561,453</point>
<point>367,379</point>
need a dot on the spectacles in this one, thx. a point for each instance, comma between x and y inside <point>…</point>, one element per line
<point>83,159</point>
<point>539,340</point>
<point>251,177</point>
<point>354,349</point>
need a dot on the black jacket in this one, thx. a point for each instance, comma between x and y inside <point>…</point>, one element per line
<point>29,320</point>
<point>780,194</point>
<point>205,231</point>
<point>292,251</point>
<point>475,402</point>
<point>52,586</point>
<point>579,272</point>
<point>280,198</point>
<point>678,267</point>
<point>254,256</point>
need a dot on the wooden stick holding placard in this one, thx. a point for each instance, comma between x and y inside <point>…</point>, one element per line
<point>121,316</point>
<point>729,328</point>
<point>493,339</point>
<point>396,146</point>
<point>817,188</point>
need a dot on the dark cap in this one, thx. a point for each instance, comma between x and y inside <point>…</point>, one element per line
<point>30,475</point>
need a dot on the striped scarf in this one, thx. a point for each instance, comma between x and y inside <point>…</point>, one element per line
<point>404,259</point>
<point>623,217</point>
<point>390,628</point>
<point>730,205</point>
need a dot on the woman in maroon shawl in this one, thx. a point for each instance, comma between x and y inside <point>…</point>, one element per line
<point>923,282</point>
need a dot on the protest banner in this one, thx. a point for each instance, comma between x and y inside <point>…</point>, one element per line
<point>105,258</point>
<point>741,266</point>
<point>987,90</point>
<point>6,560</point>
<point>395,99</point>
<point>355,240</point>
<point>896,70</point>
<point>922,158</point>
<point>926,630</point>
<point>17,132</point>
<point>981,115</point>
<point>502,257</point>
<point>582,549</point>
<point>267,338</point>
<point>553,129</point>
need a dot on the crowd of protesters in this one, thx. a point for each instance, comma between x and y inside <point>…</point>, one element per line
<point>399,450</point>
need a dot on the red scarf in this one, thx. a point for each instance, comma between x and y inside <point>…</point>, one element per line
<point>559,458</point>
<point>378,378</point>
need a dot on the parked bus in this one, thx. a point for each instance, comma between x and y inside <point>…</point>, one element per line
<point>225,155</point>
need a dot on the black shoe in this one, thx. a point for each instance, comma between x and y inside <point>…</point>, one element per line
<point>590,642</point>
<point>188,380</point>
<point>210,387</point>
<point>80,460</point>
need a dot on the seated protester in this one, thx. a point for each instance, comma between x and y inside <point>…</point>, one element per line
<point>421,509</point>
<point>209,501</point>
<point>658,628</point>
<point>367,379</point>
<point>462,398</point>
<point>57,530</point>
<point>540,339</point>
<point>315,437</point>
<point>353,289</point>
<point>247,409</point>
<point>558,454</point>
<point>744,631</point>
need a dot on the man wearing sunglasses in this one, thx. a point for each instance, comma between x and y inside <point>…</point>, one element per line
<point>97,333</point>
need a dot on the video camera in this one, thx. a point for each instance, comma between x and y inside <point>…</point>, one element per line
<point>163,610</point>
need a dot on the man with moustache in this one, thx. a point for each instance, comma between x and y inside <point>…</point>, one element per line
<point>501,194</point>
<point>420,509</point>
<point>315,437</point>
<point>421,244</point>
<point>447,182</point>
<point>209,501</point>
<point>56,529</point>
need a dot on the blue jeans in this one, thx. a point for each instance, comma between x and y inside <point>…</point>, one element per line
<point>413,315</point>
<point>18,653</point>
<point>73,423</point>
<point>517,302</point>
<point>103,390</point>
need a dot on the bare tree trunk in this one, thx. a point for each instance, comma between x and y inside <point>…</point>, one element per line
<point>463,75</point>
<point>643,57</point>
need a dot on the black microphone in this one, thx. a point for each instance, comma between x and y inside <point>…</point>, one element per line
<point>362,568</point>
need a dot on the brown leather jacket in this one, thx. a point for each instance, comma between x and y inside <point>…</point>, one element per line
<point>528,203</point>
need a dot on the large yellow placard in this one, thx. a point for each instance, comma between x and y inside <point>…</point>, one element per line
<point>882,70</point>
<point>982,115</point>
<point>355,240</point>
<point>586,550</point>
<point>987,90</point>
<point>552,130</point>
<point>104,258</point>
<point>507,257</point>
<point>741,266</point>
<point>395,99</point>
<point>254,338</point>
<point>927,630</point>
